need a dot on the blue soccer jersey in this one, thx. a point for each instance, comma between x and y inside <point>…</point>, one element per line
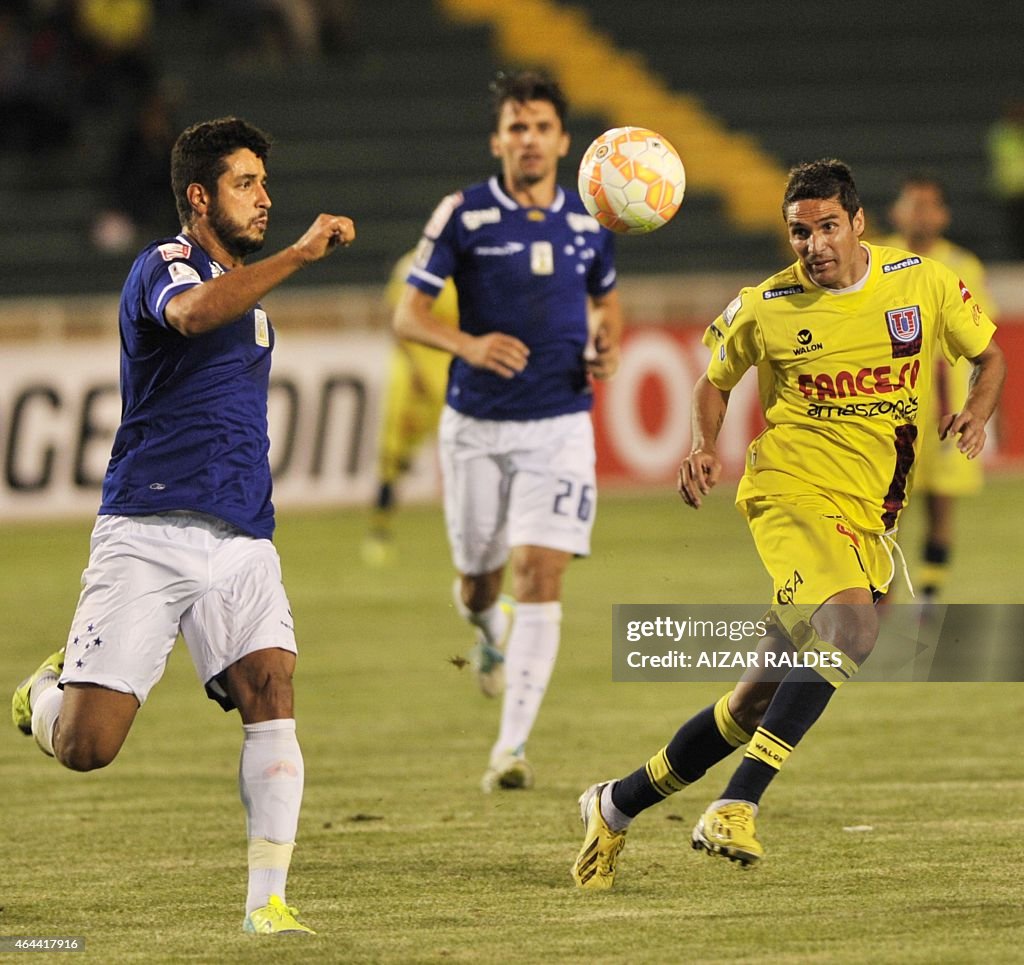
<point>193,433</point>
<point>526,272</point>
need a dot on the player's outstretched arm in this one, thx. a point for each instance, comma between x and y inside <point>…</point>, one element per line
<point>496,351</point>
<point>606,320</point>
<point>986,387</point>
<point>221,300</point>
<point>701,469</point>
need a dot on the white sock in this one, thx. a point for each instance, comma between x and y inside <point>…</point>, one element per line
<point>460,607</point>
<point>613,817</point>
<point>270,779</point>
<point>493,621</point>
<point>46,703</point>
<point>529,661</point>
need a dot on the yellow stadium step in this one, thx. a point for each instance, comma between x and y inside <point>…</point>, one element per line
<point>617,84</point>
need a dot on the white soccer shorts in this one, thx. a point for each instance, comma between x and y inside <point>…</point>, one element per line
<point>512,483</point>
<point>149,577</point>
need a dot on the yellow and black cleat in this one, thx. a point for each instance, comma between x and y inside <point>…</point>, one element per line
<point>594,869</point>
<point>727,831</point>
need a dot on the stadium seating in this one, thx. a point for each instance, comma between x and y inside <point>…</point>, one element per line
<point>389,125</point>
<point>888,88</point>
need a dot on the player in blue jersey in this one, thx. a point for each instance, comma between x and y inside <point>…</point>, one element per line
<point>538,315</point>
<point>182,541</point>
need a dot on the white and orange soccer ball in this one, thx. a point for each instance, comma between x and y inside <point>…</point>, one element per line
<point>632,180</point>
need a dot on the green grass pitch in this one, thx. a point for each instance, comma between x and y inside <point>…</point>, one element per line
<point>402,859</point>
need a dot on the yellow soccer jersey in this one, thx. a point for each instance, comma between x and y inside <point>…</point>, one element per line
<point>964,264</point>
<point>844,377</point>
<point>940,466</point>
<point>417,378</point>
<point>445,308</point>
<point>446,305</point>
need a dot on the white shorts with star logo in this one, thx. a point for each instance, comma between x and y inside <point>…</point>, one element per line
<point>150,577</point>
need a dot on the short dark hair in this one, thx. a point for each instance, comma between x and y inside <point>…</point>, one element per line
<point>526,85</point>
<point>924,179</point>
<point>200,152</point>
<point>820,180</point>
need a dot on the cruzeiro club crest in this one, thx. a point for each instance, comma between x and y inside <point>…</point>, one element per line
<point>904,330</point>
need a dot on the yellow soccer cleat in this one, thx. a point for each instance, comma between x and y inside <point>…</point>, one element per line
<point>728,831</point>
<point>488,661</point>
<point>508,772</point>
<point>595,865</point>
<point>274,918</point>
<point>21,702</point>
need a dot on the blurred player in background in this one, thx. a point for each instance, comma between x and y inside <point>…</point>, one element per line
<point>417,378</point>
<point>920,215</point>
<point>183,538</point>
<point>516,440</point>
<point>1005,148</point>
<point>844,342</point>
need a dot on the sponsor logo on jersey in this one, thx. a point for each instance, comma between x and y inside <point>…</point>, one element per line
<point>542,258</point>
<point>181,271</point>
<point>174,250</point>
<point>731,309</point>
<point>901,410</point>
<point>480,216</point>
<point>262,328</point>
<point>904,330</point>
<point>807,343</point>
<point>900,265</point>
<point>965,292</point>
<point>782,292</point>
<point>716,331</point>
<point>424,250</point>
<point>582,222</point>
<point>880,380</point>
<point>509,248</point>
<point>442,214</point>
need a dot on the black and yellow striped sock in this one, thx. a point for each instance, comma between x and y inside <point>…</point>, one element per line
<point>935,571</point>
<point>798,703</point>
<point>704,740</point>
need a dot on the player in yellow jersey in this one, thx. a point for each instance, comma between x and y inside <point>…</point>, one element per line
<point>844,342</point>
<point>417,378</point>
<point>920,214</point>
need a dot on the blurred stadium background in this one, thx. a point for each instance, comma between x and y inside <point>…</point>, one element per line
<point>381,109</point>
<point>378,110</point>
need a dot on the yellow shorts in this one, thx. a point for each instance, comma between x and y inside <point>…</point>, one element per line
<point>811,551</point>
<point>943,469</point>
<point>940,467</point>
<point>412,407</point>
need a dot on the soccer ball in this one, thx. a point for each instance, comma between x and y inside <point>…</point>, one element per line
<point>631,180</point>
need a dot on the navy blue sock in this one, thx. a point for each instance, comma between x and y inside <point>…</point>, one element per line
<point>798,703</point>
<point>697,745</point>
